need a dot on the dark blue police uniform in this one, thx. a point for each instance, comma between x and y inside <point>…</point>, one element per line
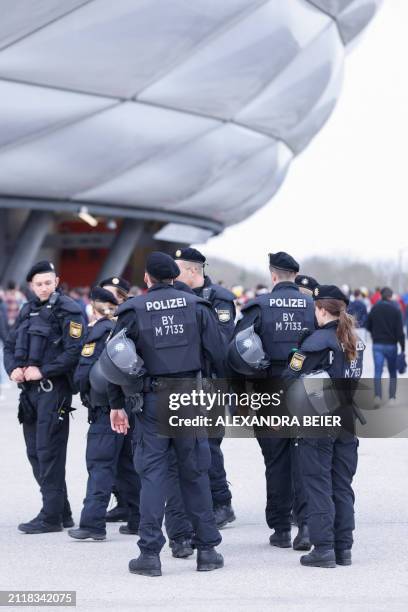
<point>278,318</point>
<point>222,302</point>
<point>328,464</point>
<point>48,335</point>
<point>104,446</point>
<point>179,353</point>
<point>223,306</point>
<point>120,511</point>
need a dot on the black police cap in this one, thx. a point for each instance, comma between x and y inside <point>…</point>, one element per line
<point>283,261</point>
<point>329,292</point>
<point>190,254</point>
<point>39,268</point>
<point>161,266</point>
<point>308,282</point>
<point>103,295</point>
<point>116,281</point>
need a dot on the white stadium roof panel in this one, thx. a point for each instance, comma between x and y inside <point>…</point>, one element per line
<point>21,17</point>
<point>297,92</point>
<point>229,197</point>
<point>235,66</point>
<point>351,16</point>
<point>116,47</point>
<point>77,157</point>
<point>184,171</point>
<point>27,111</point>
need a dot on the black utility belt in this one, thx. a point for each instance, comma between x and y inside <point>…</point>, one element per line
<point>45,384</point>
<point>103,409</point>
<point>155,383</point>
<point>161,383</point>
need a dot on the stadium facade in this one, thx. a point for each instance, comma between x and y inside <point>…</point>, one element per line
<point>165,121</point>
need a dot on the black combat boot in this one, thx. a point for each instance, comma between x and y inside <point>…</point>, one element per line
<point>86,534</point>
<point>147,564</point>
<point>181,549</point>
<point>39,526</point>
<point>302,540</point>
<point>319,558</point>
<point>120,513</point>
<point>129,529</point>
<point>343,557</point>
<point>208,560</point>
<point>223,515</point>
<point>282,539</point>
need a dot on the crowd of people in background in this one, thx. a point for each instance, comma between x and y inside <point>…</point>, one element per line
<point>362,300</point>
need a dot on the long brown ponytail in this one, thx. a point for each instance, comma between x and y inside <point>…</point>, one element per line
<point>346,334</point>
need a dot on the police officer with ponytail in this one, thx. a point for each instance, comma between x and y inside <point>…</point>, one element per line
<point>328,463</point>
<point>40,355</point>
<point>104,448</point>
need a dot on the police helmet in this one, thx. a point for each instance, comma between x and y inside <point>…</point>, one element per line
<point>312,394</point>
<point>246,355</point>
<point>120,363</point>
<point>99,382</point>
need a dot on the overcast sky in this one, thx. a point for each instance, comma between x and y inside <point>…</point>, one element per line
<point>358,164</point>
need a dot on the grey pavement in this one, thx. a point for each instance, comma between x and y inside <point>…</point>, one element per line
<point>256,576</point>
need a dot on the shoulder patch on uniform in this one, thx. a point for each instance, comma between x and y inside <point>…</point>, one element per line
<point>296,363</point>
<point>75,329</point>
<point>88,349</point>
<point>223,315</point>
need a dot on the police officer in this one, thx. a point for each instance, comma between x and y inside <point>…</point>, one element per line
<point>104,447</point>
<point>178,527</point>
<point>120,288</point>
<point>40,354</point>
<point>329,463</point>
<point>278,318</point>
<point>191,263</point>
<point>174,332</point>
<point>306,284</point>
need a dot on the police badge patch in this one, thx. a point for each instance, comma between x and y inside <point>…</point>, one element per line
<point>296,363</point>
<point>224,316</point>
<point>75,329</point>
<point>88,349</point>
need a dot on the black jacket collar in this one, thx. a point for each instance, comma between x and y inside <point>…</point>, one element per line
<point>285,285</point>
<point>160,285</point>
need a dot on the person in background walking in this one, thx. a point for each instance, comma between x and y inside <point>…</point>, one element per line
<point>358,310</point>
<point>386,328</point>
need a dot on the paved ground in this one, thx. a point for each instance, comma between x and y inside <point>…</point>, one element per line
<point>256,576</point>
